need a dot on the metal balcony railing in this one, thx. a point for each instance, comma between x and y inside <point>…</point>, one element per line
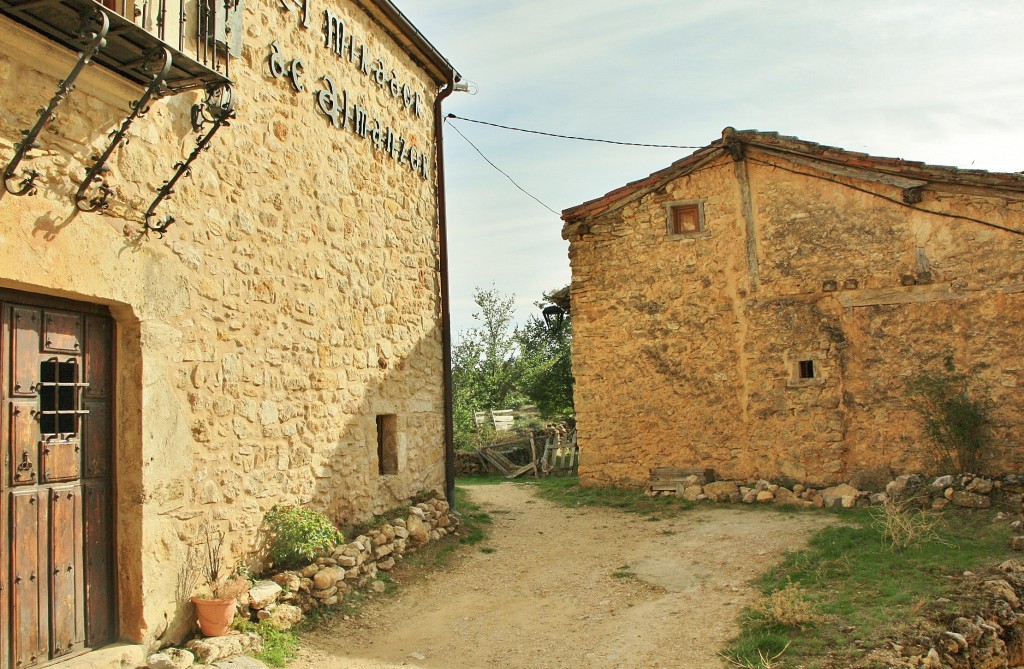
<point>148,42</point>
<point>201,35</point>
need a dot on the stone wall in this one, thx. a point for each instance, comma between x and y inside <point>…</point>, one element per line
<point>285,596</point>
<point>295,298</point>
<point>686,349</point>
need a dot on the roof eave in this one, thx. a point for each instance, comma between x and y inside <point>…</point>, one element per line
<point>404,32</point>
<point>773,142</point>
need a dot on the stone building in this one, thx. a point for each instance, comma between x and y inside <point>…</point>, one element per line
<point>221,277</point>
<point>758,306</point>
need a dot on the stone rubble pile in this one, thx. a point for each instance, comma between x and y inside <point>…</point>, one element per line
<point>995,638</point>
<point>867,488</point>
<point>285,596</point>
<point>288,594</point>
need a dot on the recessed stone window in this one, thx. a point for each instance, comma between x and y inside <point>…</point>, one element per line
<point>685,219</point>
<point>387,444</point>
<point>805,369</point>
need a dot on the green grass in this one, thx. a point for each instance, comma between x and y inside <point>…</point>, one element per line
<point>566,491</point>
<point>473,530</point>
<point>484,479</point>
<point>862,592</point>
<point>279,646</point>
<point>866,593</point>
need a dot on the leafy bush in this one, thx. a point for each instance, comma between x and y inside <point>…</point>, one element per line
<point>299,535</point>
<point>954,416</point>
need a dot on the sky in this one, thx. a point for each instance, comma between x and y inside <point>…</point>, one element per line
<point>939,81</point>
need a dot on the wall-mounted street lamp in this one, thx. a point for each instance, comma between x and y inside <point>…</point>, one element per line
<point>553,317</point>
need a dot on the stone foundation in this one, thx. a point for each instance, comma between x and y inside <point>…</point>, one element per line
<point>966,491</point>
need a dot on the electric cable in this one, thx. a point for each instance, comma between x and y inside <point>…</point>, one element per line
<point>886,197</point>
<point>499,169</point>
<point>581,139</point>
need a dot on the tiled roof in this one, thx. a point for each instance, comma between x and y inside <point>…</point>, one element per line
<point>783,145</point>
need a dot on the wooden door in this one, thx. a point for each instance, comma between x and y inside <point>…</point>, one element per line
<point>57,594</point>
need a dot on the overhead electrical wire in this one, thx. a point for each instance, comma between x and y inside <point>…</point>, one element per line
<point>532,196</point>
<point>580,139</point>
<point>886,197</point>
<point>677,146</point>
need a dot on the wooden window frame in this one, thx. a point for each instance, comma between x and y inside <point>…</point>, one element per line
<point>671,212</point>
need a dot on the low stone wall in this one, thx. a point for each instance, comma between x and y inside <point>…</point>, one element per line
<point>283,597</point>
<point>968,491</point>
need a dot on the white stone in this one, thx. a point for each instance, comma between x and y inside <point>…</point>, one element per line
<point>171,658</point>
<point>263,594</point>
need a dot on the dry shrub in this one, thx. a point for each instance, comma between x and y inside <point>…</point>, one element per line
<point>903,525</point>
<point>789,606</point>
<point>763,662</point>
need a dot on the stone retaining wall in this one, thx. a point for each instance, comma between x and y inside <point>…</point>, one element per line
<point>967,490</point>
<point>285,596</point>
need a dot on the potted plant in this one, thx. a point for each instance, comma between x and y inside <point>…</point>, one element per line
<point>217,599</point>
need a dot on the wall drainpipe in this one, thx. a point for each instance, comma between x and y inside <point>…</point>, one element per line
<point>446,318</point>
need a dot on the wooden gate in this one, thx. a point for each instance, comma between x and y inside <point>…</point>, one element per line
<point>56,489</point>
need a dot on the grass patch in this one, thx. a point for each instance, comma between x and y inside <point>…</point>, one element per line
<point>566,491</point>
<point>474,520</point>
<point>860,591</point>
<point>279,646</point>
<point>623,572</point>
<point>482,479</point>
<point>473,529</point>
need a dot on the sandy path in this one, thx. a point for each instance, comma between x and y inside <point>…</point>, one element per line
<point>546,597</point>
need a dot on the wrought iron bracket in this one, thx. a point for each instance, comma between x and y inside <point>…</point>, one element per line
<point>216,110</point>
<point>93,31</point>
<point>139,108</point>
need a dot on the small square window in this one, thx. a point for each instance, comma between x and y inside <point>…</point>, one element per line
<point>685,219</point>
<point>806,370</point>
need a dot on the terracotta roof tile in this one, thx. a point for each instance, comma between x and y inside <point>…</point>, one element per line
<point>782,144</point>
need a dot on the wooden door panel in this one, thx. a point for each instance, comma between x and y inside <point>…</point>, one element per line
<point>57,560</point>
<point>98,561</point>
<point>29,643</point>
<point>98,367</point>
<point>65,563</point>
<point>62,332</point>
<point>97,440</point>
<point>25,342</point>
<point>60,460</point>
<point>23,444</point>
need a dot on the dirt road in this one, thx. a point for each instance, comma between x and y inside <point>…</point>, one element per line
<point>586,588</point>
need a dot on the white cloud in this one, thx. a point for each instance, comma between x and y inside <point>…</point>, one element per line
<point>934,80</point>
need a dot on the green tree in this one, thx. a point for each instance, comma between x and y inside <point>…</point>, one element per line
<point>499,365</point>
<point>546,366</point>
<point>485,371</point>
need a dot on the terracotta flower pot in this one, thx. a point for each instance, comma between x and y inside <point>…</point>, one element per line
<point>215,615</point>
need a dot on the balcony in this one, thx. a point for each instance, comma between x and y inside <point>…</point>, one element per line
<point>166,46</point>
<point>200,35</point>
